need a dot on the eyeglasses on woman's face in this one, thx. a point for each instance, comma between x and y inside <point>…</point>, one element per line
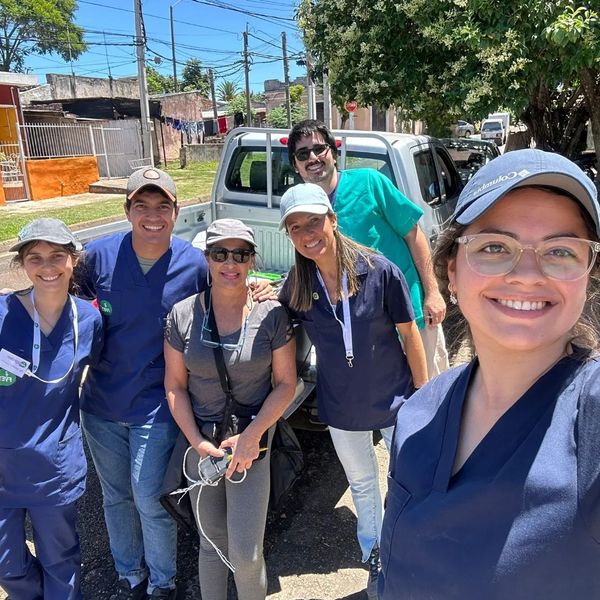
<point>220,255</point>
<point>318,150</point>
<point>561,258</point>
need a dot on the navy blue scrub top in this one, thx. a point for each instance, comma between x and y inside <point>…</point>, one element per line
<point>515,522</point>
<point>366,396</point>
<point>41,452</point>
<point>128,383</point>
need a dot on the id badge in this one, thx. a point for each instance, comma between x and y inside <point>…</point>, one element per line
<point>12,363</point>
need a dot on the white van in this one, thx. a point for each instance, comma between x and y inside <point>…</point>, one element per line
<point>494,131</point>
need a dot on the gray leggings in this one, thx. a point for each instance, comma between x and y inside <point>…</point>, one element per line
<point>233,517</point>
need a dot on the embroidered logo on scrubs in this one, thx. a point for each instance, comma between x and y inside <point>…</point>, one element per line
<point>7,378</point>
<point>315,296</point>
<point>106,307</point>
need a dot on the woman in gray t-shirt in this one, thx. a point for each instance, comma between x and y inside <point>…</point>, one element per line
<point>259,353</point>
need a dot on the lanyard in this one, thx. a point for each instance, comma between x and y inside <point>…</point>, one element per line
<point>37,338</point>
<point>346,324</point>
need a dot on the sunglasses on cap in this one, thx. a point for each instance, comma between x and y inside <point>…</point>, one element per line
<point>304,153</point>
<point>240,255</point>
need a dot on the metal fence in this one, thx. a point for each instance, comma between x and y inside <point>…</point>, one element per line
<point>114,143</point>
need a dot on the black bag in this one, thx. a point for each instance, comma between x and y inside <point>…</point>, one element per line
<point>177,505</point>
<point>287,462</point>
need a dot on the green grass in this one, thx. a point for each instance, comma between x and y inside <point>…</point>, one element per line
<point>193,182</point>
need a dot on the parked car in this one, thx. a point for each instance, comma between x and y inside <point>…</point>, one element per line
<point>470,155</point>
<point>493,129</point>
<point>463,129</point>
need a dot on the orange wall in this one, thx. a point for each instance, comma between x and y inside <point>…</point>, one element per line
<point>2,195</point>
<point>56,177</point>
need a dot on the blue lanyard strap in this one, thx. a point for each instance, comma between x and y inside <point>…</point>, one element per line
<point>37,339</point>
<point>346,324</point>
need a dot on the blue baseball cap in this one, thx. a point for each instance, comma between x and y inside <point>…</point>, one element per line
<point>522,168</point>
<point>304,197</point>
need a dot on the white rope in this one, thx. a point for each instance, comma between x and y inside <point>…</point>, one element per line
<point>201,482</point>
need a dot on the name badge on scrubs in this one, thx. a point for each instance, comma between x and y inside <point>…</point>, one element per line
<point>12,363</point>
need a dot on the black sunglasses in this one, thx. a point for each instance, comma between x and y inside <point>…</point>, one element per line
<point>240,255</point>
<point>304,153</point>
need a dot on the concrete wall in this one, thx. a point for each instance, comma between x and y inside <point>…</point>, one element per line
<point>199,153</point>
<point>61,176</point>
<point>65,87</point>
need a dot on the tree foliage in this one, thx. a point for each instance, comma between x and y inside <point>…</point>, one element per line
<point>194,78</point>
<point>441,59</point>
<point>227,91</point>
<point>238,105</point>
<point>278,116</point>
<point>157,82</point>
<point>38,27</point>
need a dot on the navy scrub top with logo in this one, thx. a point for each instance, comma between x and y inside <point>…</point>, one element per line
<point>41,453</point>
<point>517,520</point>
<point>367,396</point>
<point>128,383</point>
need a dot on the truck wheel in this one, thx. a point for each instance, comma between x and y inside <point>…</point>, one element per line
<point>468,133</point>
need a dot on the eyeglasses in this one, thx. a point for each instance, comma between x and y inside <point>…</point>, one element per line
<point>304,153</point>
<point>563,258</point>
<point>213,344</point>
<point>240,255</point>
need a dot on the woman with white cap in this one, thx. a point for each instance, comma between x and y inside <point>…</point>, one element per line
<point>47,336</point>
<point>494,489</point>
<point>356,309</point>
<point>226,355</point>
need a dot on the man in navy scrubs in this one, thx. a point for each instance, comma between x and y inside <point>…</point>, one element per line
<point>137,277</point>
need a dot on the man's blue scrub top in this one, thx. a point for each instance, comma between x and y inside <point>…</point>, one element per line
<point>366,396</point>
<point>510,523</point>
<point>41,453</point>
<point>127,385</point>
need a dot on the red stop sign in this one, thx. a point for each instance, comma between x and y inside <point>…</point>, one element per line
<point>350,106</point>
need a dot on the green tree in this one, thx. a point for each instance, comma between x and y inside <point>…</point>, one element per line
<point>38,27</point>
<point>158,83</point>
<point>194,78</point>
<point>278,116</point>
<point>227,91</point>
<point>438,60</point>
<point>238,105</point>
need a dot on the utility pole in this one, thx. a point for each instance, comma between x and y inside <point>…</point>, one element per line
<point>247,74</point>
<point>173,49</point>
<point>326,102</point>
<point>286,77</point>
<point>312,100</point>
<point>211,78</point>
<point>140,45</point>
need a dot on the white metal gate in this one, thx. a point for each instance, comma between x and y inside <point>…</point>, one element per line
<point>114,143</point>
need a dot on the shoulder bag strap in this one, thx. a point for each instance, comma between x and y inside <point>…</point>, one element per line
<point>221,368</point>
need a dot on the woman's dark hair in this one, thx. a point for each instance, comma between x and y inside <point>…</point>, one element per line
<point>301,274</point>
<point>585,331</point>
<point>305,129</point>
<point>19,258</point>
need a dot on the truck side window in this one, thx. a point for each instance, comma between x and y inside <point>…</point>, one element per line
<point>452,184</point>
<point>428,178</point>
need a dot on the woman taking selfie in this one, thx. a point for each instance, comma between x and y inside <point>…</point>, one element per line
<point>258,353</point>
<point>494,490</point>
<point>47,337</point>
<point>354,304</point>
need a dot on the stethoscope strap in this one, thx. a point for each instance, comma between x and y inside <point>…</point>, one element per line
<point>37,341</point>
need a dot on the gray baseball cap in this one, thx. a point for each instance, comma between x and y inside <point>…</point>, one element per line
<point>141,178</point>
<point>46,230</point>
<point>304,197</point>
<point>229,229</point>
<point>523,168</point>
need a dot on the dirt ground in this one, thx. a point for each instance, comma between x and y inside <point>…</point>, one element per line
<point>310,547</point>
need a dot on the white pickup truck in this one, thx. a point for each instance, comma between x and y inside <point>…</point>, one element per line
<point>254,171</point>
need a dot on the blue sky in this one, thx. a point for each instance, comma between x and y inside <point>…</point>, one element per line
<point>212,34</point>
